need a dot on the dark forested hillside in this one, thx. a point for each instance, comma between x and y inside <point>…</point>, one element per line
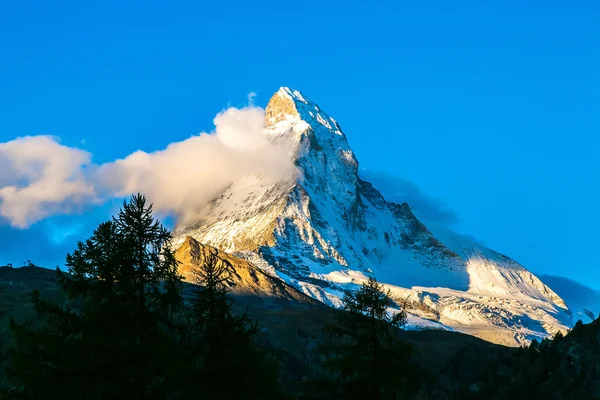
<point>465,367</point>
<point>290,333</point>
<point>223,318</point>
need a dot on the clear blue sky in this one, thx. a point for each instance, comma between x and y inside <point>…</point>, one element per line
<point>492,107</point>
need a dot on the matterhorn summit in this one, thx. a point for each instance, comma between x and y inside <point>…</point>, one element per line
<point>324,230</point>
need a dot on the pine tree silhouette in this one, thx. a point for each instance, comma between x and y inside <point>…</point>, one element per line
<point>111,339</point>
<point>366,359</point>
<point>227,362</point>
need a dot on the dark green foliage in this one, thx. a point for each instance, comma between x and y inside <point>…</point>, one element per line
<point>110,340</point>
<point>223,356</point>
<point>564,368</point>
<point>366,359</point>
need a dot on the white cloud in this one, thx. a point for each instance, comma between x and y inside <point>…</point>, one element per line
<point>39,177</point>
<point>251,97</point>
<point>182,178</point>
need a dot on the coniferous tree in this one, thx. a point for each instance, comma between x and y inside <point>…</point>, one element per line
<point>366,359</point>
<point>111,339</point>
<point>227,362</point>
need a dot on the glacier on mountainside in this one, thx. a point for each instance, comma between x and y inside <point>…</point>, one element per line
<point>325,230</point>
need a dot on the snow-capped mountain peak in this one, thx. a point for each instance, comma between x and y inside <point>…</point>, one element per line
<point>289,103</point>
<point>327,230</point>
<point>293,117</point>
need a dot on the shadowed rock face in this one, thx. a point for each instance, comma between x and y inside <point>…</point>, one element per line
<point>246,278</point>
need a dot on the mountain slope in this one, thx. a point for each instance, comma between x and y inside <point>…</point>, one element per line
<point>583,301</point>
<point>245,280</point>
<point>326,230</point>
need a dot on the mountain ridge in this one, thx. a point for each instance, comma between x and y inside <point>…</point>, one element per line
<point>326,230</point>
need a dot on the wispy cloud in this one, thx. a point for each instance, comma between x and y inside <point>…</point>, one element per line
<point>572,292</point>
<point>400,190</point>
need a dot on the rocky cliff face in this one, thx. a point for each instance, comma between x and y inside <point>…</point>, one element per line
<point>326,230</point>
<point>245,279</point>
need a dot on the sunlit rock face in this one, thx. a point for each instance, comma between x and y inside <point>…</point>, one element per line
<point>324,230</point>
<point>244,278</point>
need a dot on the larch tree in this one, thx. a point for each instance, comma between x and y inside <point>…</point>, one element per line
<point>111,337</point>
<point>222,347</point>
<point>365,358</point>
